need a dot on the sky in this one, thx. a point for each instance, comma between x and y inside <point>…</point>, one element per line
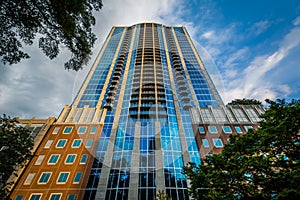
<point>251,50</point>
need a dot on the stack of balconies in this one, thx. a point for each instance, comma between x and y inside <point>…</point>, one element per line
<point>180,80</point>
<point>112,92</point>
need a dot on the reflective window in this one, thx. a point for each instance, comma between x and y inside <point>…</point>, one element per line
<point>238,129</point>
<point>63,177</point>
<point>212,129</point>
<point>55,131</point>
<point>53,159</point>
<point>70,159</point>
<point>44,178</point>
<point>201,129</point>
<point>89,143</point>
<point>205,142</point>
<point>84,158</point>
<point>48,144</point>
<point>68,129</point>
<point>82,130</point>
<point>55,197</point>
<point>77,177</point>
<point>35,196</point>
<point>76,143</point>
<point>218,142</point>
<point>247,128</point>
<point>29,178</point>
<point>39,160</point>
<point>93,130</point>
<point>71,197</point>
<point>226,129</point>
<point>61,143</point>
<point>19,197</point>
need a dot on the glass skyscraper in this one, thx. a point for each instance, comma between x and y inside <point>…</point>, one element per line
<point>141,114</point>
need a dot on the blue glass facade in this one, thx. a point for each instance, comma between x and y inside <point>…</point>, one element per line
<point>147,79</point>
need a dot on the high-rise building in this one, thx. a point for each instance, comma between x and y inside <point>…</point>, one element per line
<point>146,108</point>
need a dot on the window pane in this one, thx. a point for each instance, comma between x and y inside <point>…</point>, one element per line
<point>248,128</point>
<point>212,129</point>
<point>218,142</point>
<point>39,160</point>
<point>83,159</point>
<point>205,142</point>
<point>48,144</point>
<point>71,197</point>
<point>89,143</point>
<point>201,129</point>
<point>55,131</point>
<point>45,177</point>
<point>53,159</point>
<point>29,178</point>
<point>35,197</point>
<point>61,143</point>
<point>70,158</point>
<point>19,197</point>
<point>227,129</point>
<point>68,129</point>
<point>77,177</point>
<point>82,130</point>
<point>238,129</point>
<point>76,143</point>
<point>55,196</point>
<point>63,177</point>
<point>93,129</point>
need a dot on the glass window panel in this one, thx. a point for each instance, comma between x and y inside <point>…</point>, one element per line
<point>212,129</point>
<point>29,178</point>
<point>63,177</point>
<point>93,129</point>
<point>70,158</point>
<point>89,143</point>
<point>68,129</point>
<point>71,197</point>
<point>205,142</point>
<point>61,143</point>
<point>82,130</point>
<point>55,131</point>
<point>218,142</point>
<point>247,128</point>
<point>76,143</point>
<point>39,160</point>
<point>84,158</point>
<point>227,129</point>
<point>77,177</point>
<point>48,144</point>
<point>55,197</point>
<point>238,129</point>
<point>35,196</point>
<point>53,159</point>
<point>201,129</point>
<point>19,197</point>
<point>44,178</point>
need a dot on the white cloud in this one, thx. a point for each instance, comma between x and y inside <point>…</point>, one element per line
<point>296,22</point>
<point>259,27</point>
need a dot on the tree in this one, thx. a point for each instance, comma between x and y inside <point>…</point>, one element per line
<point>15,145</point>
<point>262,164</point>
<point>245,102</point>
<point>161,195</point>
<point>55,22</point>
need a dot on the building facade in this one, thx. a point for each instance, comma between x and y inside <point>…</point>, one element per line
<point>146,109</point>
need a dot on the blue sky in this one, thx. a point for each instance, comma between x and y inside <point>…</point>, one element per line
<point>251,48</point>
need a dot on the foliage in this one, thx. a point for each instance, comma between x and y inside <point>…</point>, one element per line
<point>161,195</point>
<point>15,146</point>
<point>245,102</point>
<point>262,164</point>
<point>55,22</point>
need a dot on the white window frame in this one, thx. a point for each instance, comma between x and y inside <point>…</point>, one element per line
<point>41,194</point>
<point>77,182</point>
<point>89,146</point>
<point>55,130</point>
<point>223,127</point>
<point>60,194</point>
<point>59,177</point>
<point>80,127</point>
<point>201,132</point>
<point>39,160</point>
<point>51,157</point>
<point>29,179</point>
<point>205,146</point>
<point>74,142</point>
<point>56,146</point>
<point>66,128</point>
<point>48,144</point>
<point>237,130</point>
<point>87,156</point>
<point>212,132</point>
<point>91,132</point>
<point>218,139</point>
<point>44,183</point>
<point>66,163</point>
